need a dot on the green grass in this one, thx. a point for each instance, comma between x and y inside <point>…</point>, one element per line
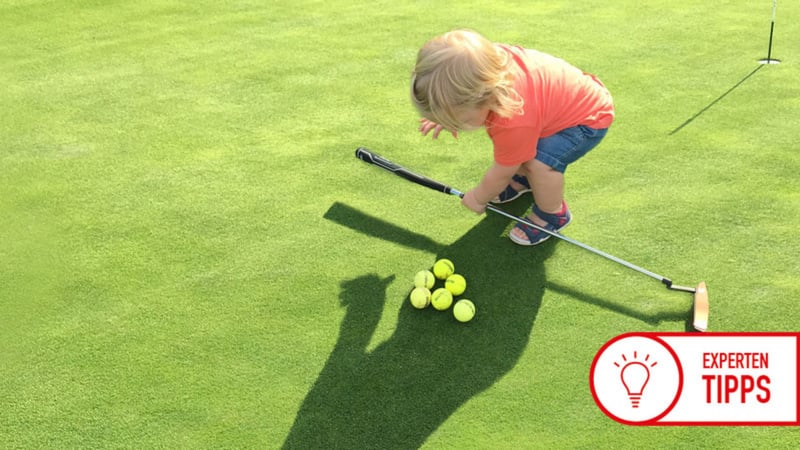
<point>191,257</point>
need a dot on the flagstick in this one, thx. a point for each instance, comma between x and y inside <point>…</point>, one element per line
<point>769,59</point>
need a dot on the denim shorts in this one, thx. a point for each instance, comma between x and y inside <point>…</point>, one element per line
<point>567,146</point>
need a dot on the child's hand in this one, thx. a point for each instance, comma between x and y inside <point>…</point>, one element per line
<point>472,203</point>
<point>425,127</point>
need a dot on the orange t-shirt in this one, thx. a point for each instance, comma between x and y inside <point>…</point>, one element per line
<point>557,96</point>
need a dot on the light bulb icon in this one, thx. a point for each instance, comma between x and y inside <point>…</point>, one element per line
<point>635,375</point>
<point>637,378</point>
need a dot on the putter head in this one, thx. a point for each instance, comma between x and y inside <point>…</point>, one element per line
<point>700,322</point>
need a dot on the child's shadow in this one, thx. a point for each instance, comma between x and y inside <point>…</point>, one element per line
<point>398,394</point>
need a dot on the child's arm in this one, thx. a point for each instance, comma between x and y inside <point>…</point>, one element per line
<point>494,181</point>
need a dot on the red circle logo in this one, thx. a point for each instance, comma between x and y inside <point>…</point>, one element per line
<point>636,379</point>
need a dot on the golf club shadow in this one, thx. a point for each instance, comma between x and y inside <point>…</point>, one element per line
<point>372,226</point>
<point>398,394</point>
<point>652,319</point>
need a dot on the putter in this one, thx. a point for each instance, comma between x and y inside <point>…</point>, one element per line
<point>700,292</point>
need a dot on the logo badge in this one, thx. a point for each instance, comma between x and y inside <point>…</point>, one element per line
<point>699,379</point>
<point>636,379</point>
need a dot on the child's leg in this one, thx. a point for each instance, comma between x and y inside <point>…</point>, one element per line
<point>547,185</point>
<point>546,176</point>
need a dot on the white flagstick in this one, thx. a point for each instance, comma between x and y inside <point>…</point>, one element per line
<point>769,59</point>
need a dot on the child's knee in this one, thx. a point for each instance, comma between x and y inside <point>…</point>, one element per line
<point>536,168</point>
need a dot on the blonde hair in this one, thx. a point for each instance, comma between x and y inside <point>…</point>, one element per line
<point>460,70</point>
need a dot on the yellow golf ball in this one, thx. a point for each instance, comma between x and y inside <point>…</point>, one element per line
<point>443,268</point>
<point>441,299</point>
<point>420,297</point>
<point>456,284</point>
<point>424,278</point>
<point>464,310</point>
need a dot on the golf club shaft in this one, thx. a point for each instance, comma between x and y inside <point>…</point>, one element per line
<point>375,159</point>
<point>525,221</point>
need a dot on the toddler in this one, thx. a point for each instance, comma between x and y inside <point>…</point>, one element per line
<point>540,112</point>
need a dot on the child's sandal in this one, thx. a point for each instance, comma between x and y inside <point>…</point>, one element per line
<point>510,194</point>
<point>558,220</point>
<point>555,223</point>
<point>533,235</point>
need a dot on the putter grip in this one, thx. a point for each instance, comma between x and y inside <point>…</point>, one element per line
<point>371,157</point>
